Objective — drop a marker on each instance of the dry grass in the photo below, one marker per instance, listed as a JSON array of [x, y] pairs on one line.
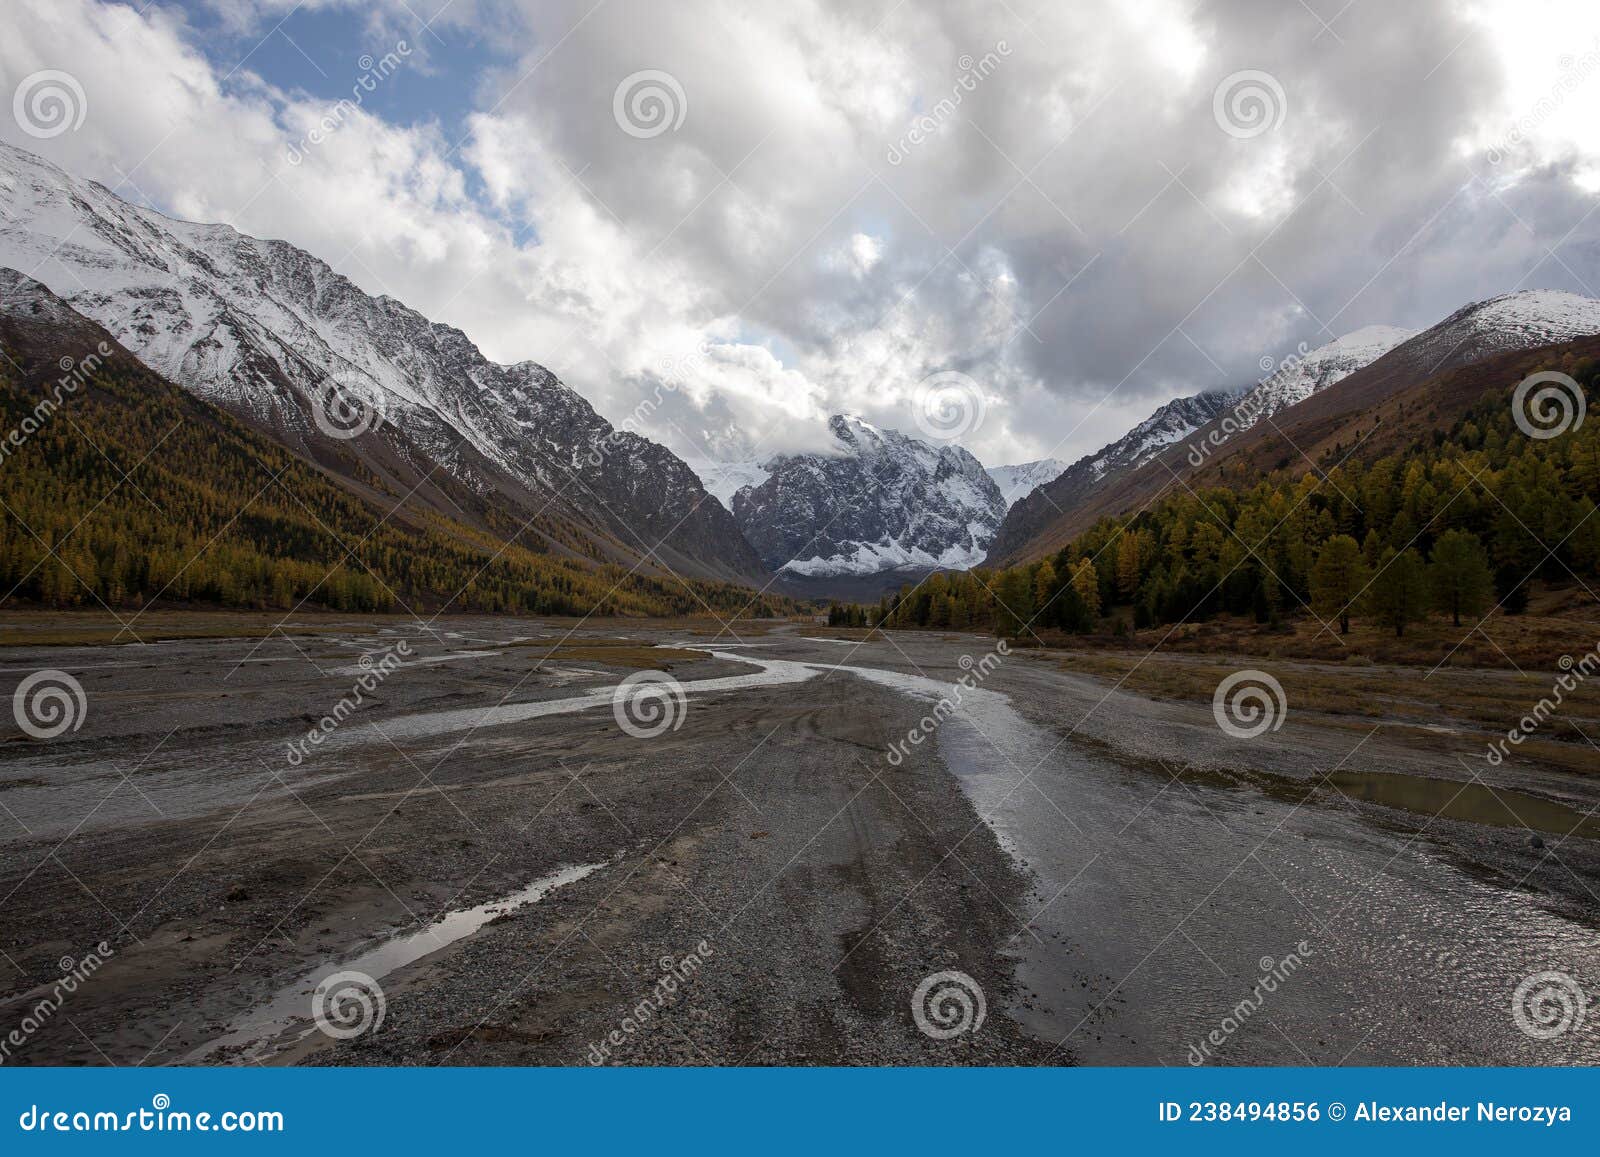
[[98, 629], [614, 653], [1559, 623], [1453, 708]]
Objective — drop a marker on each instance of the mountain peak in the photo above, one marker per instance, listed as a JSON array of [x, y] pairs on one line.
[[882, 501]]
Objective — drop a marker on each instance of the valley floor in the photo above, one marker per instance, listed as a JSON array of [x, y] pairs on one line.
[[1111, 870]]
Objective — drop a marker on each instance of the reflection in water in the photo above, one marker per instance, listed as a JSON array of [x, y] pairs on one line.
[[1476, 803]]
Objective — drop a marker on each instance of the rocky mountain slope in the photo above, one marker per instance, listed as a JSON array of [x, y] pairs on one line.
[[1103, 469], [1298, 376], [882, 503], [1345, 406], [123, 489], [275, 336]]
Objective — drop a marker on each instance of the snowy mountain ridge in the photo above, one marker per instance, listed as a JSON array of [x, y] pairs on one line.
[[275, 335], [882, 501], [1020, 480]]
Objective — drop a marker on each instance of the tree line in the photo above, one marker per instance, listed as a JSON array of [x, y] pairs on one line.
[[134, 491], [1454, 524]]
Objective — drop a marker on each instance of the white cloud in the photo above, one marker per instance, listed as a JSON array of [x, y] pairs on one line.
[[1077, 225]]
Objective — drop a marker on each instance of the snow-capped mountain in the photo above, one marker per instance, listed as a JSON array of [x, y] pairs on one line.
[[1523, 320], [1297, 377], [881, 502], [1327, 389], [276, 336], [1019, 481]]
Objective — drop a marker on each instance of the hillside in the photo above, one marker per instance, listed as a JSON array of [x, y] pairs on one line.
[[1448, 507], [275, 336], [1240, 441], [122, 489]]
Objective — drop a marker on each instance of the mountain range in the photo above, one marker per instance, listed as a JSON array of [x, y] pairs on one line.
[[401, 411], [1019, 481], [273, 335], [1324, 400]]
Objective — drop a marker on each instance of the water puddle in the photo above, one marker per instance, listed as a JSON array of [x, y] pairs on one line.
[[1476, 803], [286, 1019]]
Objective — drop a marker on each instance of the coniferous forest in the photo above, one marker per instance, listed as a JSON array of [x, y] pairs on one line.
[[133, 492], [1448, 526]]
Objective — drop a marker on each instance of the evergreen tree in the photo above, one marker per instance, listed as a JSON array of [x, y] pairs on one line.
[[1459, 574], [1399, 591], [1337, 579], [1127, 566], [1087, 585]]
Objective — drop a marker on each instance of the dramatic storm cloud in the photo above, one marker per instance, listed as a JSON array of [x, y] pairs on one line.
[[795, 209]]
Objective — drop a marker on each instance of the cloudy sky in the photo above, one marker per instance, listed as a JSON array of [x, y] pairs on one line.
[[787, 210]]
